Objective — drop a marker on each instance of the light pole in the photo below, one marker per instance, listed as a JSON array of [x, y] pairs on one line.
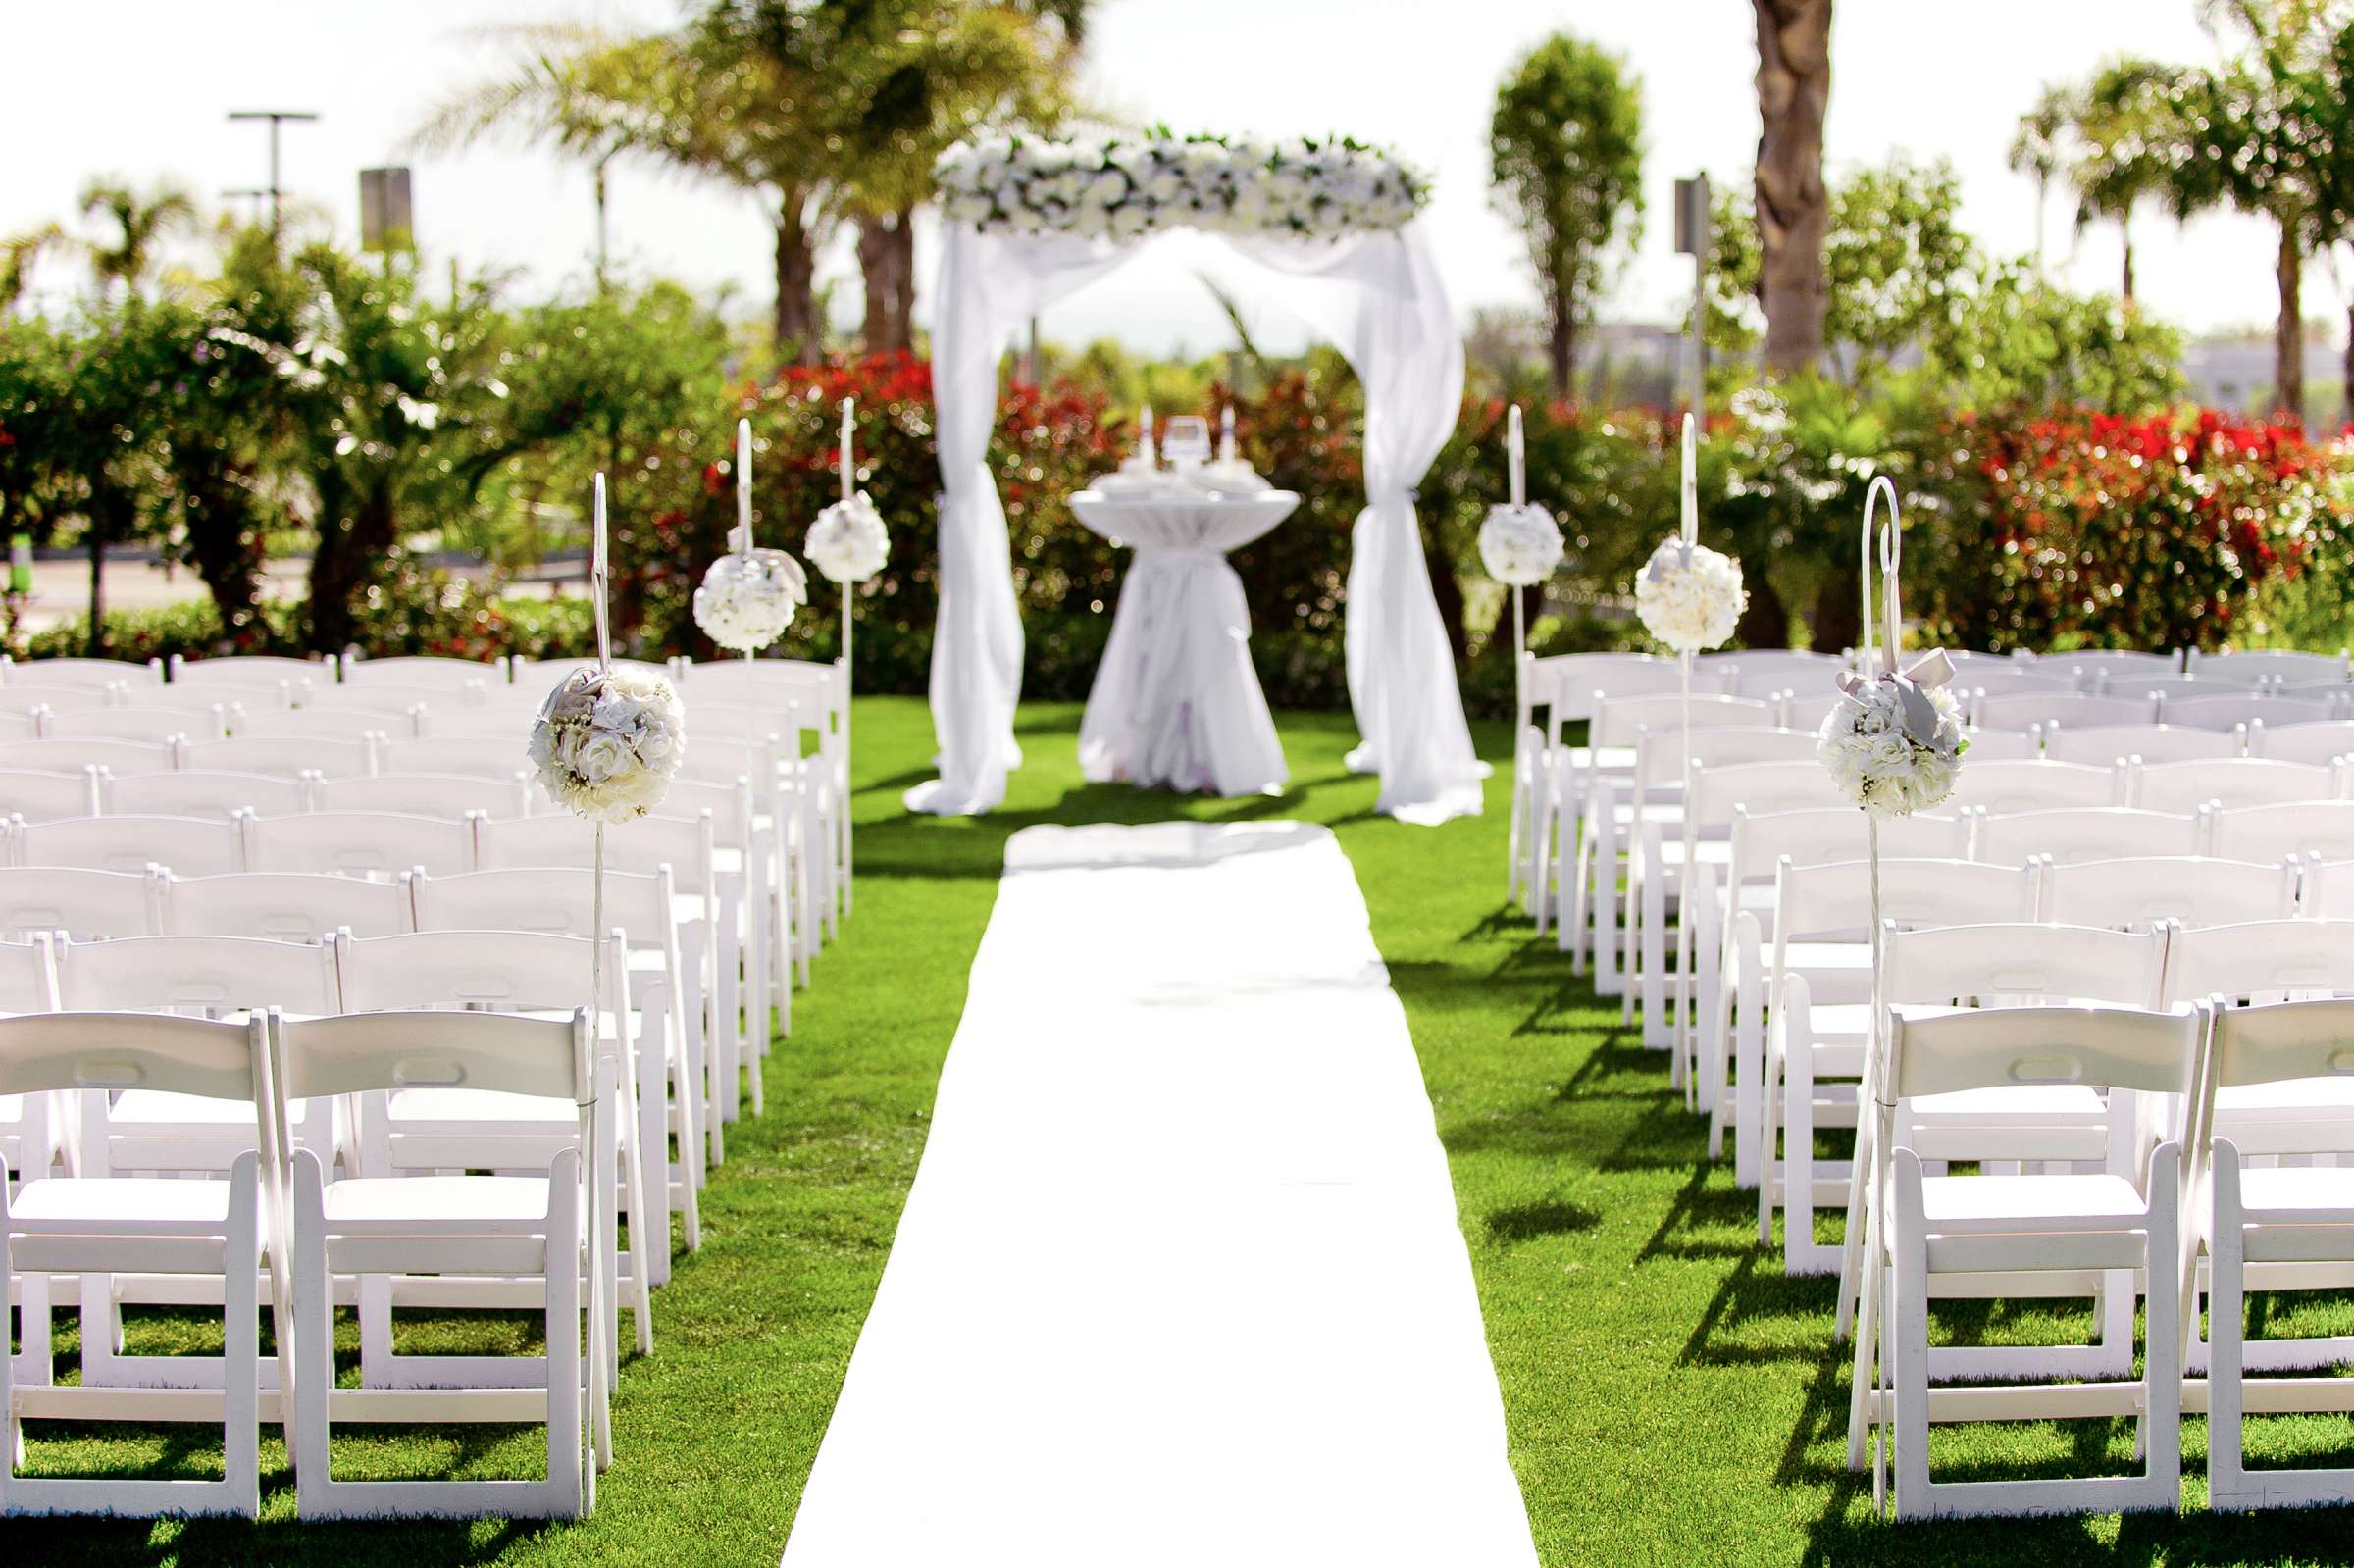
[[277, 117]]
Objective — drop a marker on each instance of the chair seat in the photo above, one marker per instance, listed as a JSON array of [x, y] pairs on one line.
[[413, 1105], [399, 1205], [1814, 956], [2313, 1194], [2295, 1099], [2009, 1104], [141, 1206], [152, 1106], [1997, 1204]]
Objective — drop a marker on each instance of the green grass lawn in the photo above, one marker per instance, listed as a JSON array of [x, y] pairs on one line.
[[1671, 1397]]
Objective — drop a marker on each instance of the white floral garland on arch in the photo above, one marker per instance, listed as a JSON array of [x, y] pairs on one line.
[[1129, 186]]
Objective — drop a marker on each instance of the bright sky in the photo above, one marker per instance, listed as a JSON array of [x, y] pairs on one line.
[[144, 88]]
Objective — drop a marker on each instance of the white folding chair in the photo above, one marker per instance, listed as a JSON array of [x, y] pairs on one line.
[[36, 797], [155, 724], [2039, 1235], [25, 698], [2118, 669], [2004, 745], [327, 723], [2256, 666], [80, 1225], [2179, 787], [196, 847], [380, 845], [199, 793], [1562, 686], [76, 900], [543, 1227], [2089, 833], [472, 756], [75, 755], [421, 670], [263, 671], [284, 906], [33, 1140], [666, 967], [2193, 889], [2288, 1226], [2024, 710], [2004, 788], [138, 676], [2234, 712], [2011, 680]]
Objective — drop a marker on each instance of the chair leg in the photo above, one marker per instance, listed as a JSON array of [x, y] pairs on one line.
[[314, 1341], [240, 1342], [565, 1437]]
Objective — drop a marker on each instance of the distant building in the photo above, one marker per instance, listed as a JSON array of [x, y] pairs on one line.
[[2236, 373]]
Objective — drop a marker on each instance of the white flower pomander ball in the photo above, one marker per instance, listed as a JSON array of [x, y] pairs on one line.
[[1690, 597], [848, 542], [1519, 545], [607, 744], [745, 600], [1892, 745]]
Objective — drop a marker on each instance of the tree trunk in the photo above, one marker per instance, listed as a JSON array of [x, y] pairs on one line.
[[887, 263], [1793, 212], [354, 539], [1765, 621], [2125, 233], [2349, 366], [2288, 337], [1561, 350], [97, 544], [800, 335]]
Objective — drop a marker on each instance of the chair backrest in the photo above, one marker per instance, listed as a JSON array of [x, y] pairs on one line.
[[2323, 828], [2230, 712], [482, 756], [288, 757], [25, 696], [1760, 788], [729, 803], [354, 725], [74, 755], [262, 670], [685, 844], [39, 796], [513, 1053], [380, 845], [556, 900], [2182, 786], [197, 974], [2022, 710], [85, 903], [2261, 960], [427, 794], [2001, 788], [2080, 834], [1833, 900], [2019, 963], [118, 1051], [151, 724], [201, 792], [2284, 1041], [2103, 745], [89, 672], [1618, 721], [1943, 1052], [2004, 745], [1762, 840], [485, 721], [2024, 679], [503, 970], [2118, 664], [194, 847], [27, 977], [422, 671], [1569, 684], [2324, 741], [2264, 664], [392, 704], [2192, 889], [286, 906]]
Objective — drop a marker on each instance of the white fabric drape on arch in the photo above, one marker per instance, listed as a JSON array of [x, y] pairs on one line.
[[1378, 297]]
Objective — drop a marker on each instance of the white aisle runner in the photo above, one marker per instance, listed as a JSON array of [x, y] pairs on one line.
[[1179, 1281]]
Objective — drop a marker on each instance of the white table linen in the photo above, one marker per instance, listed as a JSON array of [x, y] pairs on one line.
[[1180, 1281], [1175, 702]]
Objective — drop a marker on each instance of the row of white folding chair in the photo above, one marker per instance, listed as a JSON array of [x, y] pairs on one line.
[[667, 937], [2254, 665], [2273, 1229], [2226, 711], [803, 688], [101, 673], [204, 792], [544, 1228]]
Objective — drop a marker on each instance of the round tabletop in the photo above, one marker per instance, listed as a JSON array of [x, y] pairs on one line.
[[1208, 520]]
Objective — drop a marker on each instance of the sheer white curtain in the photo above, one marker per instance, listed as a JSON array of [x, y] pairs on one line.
[[1378, 298]]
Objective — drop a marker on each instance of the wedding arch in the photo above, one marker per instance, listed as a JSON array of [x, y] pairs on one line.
[[1032, 221]]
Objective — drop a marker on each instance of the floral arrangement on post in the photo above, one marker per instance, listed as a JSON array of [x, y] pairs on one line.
[[848, 542], [607, 741], [1519, 544], [1688, 595], [1129, 186], [747, 597]]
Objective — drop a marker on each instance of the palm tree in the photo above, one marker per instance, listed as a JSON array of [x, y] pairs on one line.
[[1794, 209], [2129, 138], [141, 219], [2035, 152], [589, 96], [17, 257]]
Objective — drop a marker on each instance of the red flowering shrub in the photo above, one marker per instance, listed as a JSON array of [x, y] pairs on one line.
[[2087, 530]]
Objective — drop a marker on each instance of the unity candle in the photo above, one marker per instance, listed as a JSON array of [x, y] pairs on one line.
[[1515, 458], [850, 474], [743, 486]]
